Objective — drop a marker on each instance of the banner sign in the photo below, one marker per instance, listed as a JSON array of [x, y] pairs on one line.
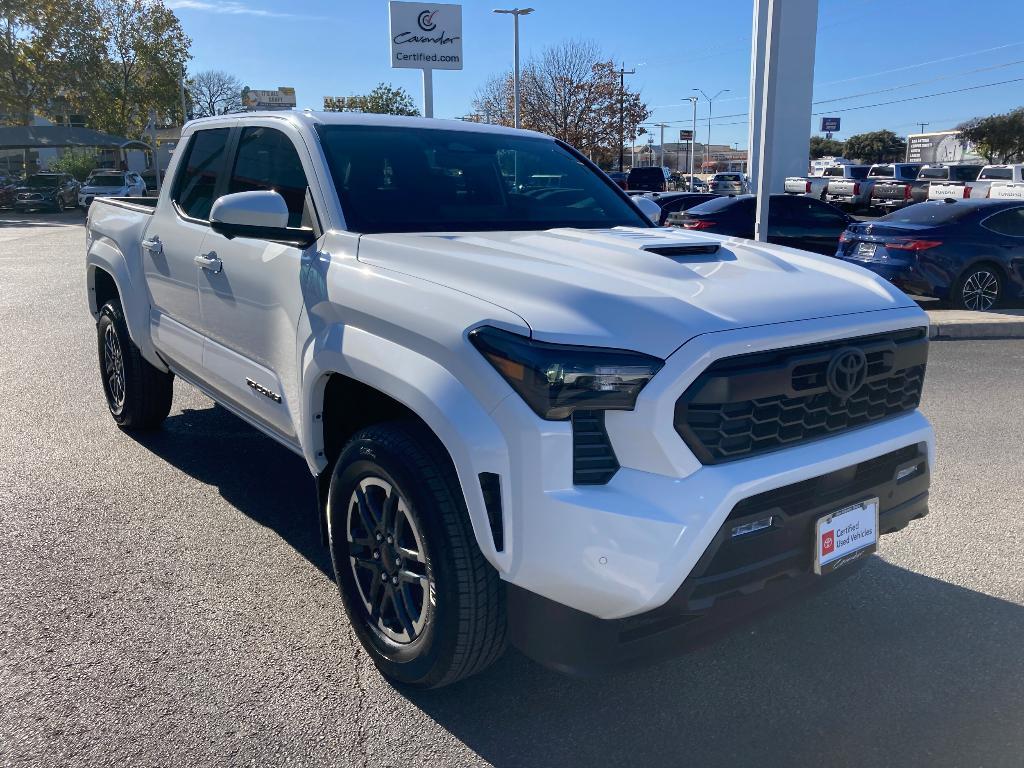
[[282, 98], [425, 36]]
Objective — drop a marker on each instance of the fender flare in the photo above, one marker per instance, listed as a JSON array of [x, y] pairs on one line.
[[104, 255], [466, 430]]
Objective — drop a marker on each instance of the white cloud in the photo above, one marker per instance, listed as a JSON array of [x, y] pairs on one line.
[[229, 7]]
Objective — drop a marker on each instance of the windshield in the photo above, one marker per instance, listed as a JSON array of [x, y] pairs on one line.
[[392, 179], [996, 173], [106, 181], [934, 212], [42, 181]]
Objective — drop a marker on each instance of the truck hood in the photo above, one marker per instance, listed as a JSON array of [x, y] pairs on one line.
[[609, 288]]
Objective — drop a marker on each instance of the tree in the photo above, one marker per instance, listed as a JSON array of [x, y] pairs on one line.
[[213, 92], [822, 147], [571, 92], [876, 147], [51, 54], [997, 138], [384, 99], [146, 54], [78, 162]]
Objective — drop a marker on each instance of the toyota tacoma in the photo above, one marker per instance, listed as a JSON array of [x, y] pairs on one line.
[[532, 417]]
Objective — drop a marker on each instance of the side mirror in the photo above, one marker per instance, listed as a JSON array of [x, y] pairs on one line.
[[259, 214], [648, 208]]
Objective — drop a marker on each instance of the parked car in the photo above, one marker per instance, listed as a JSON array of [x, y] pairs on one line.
[[1013, 190], [990, 177], [674, 202], [893, 185], [797, 222], [619, 178], [891, 195], [111, 184], [855, 195], [648, 179], [729, 184], [443, 350], [816, 186], [688, 183], [966, 252], [55, 191], [8, 187]]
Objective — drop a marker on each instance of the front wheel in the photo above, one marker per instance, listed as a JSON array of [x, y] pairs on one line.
[[980, 289], [423, 601], [138, 394]]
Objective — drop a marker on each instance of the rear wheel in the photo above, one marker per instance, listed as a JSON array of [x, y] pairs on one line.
[[980, 289], [138, 394], [423, 601]]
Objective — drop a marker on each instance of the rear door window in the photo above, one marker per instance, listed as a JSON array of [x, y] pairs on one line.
[[1009, 222], [196, 183]]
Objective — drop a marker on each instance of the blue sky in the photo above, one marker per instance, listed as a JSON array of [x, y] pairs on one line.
[[866, 49]]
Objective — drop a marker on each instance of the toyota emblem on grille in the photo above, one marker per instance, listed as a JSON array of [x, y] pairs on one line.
[[846, 372]]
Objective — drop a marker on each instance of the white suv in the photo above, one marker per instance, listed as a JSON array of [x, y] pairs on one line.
[[531, 415]]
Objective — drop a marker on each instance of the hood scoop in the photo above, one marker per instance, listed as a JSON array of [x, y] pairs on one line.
[[689, 252]]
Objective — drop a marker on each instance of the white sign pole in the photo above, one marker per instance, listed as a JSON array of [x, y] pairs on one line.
[[428, 93]]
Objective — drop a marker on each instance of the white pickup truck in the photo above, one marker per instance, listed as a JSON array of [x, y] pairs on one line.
[[531, 416], [852, 194], [815, 186], [990, 177]]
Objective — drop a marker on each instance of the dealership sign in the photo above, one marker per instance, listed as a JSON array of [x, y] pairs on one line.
[[686, 135], [829, 124], [426, 36]]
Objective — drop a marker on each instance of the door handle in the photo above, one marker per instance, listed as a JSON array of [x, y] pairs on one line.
[[210, 262], [153, 245]]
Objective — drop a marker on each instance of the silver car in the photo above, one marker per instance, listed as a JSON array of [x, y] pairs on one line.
[[111, 184], [730, 183]]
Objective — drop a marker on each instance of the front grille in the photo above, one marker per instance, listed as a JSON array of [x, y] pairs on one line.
[[751, 404], [593, 459]]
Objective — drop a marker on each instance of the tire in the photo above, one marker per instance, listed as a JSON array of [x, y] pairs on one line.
[[59, 204], [138, 394], [979, 288], [446, 619]]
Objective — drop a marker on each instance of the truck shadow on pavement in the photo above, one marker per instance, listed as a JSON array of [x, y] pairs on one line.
[[261, 479], [888, 668]]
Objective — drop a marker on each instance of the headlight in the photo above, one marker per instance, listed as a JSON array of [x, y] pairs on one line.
[[556, 379]]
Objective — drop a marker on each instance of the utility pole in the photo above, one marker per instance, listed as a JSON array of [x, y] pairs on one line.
[[184, 112], [693, 136], [622, 109], [923, 125], [515, 13]]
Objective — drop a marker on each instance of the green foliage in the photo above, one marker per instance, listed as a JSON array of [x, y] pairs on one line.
[[112, 60], [876, 147], [382, 100], [822, 147], [78, 162], [997, 138]]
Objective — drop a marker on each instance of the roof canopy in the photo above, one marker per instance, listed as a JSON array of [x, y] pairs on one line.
[[41, 136]]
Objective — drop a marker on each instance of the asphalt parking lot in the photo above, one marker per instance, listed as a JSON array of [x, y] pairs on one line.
[[166, 600]]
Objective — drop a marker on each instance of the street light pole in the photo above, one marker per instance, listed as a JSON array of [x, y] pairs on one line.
[[515, 13], [622, 109], [710, 99]]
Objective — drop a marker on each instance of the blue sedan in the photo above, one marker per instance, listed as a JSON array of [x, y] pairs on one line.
[[969, 253]]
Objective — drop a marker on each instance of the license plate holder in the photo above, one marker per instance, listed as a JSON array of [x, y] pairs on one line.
[[844, 536], [866, 250]]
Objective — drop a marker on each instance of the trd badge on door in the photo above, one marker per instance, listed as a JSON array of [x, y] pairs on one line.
[[263, 390]]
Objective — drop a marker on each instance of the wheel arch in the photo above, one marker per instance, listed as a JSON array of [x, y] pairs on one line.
[[352, 378]]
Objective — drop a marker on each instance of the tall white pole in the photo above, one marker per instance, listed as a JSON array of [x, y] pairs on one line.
[[428, 93], [515, 70]]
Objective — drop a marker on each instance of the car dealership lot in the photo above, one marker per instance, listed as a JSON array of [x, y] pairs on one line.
[[167, 600]]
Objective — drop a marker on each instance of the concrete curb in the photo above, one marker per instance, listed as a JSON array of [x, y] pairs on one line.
[[955, 325]]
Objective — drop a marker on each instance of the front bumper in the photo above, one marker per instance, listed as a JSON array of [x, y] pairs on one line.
[[736, 579], [35, 205]]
